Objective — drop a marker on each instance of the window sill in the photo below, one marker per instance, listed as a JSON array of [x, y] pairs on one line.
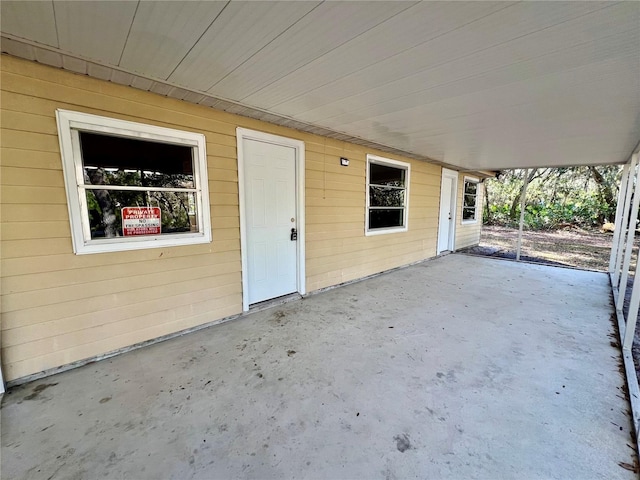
[[384, 231], [120, 245]]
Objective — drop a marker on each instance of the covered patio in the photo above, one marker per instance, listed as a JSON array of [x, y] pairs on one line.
[[459, 367]]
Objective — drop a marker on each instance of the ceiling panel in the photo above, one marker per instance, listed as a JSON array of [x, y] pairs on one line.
[[566, 89], [464, 53], [554, 154], [32, 20], [600, 49], [96, 30], [241, 30], [163, 33], [540, 110], [322, 30], [404, 31]]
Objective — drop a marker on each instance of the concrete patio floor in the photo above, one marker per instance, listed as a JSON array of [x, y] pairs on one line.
[[461, 367]]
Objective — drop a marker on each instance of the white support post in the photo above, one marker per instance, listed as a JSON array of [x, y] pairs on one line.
[[632, 315], [624, 223], [523, 203], [630, 236], [613, 260]]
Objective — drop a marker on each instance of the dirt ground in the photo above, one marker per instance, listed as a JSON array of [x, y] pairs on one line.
[[570, 247]]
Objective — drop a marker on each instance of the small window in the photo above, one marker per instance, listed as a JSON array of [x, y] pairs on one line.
[[132, 186], [387, 195], [470, 200]]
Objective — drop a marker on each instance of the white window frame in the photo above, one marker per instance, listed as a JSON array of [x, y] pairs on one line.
[[405, 221], [69, 124], [475, 214]]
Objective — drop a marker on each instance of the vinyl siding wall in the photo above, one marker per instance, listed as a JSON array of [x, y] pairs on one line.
[[468, 234], [59, 308]]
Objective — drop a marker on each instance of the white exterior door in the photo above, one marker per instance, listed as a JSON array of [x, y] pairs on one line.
[[270, 209], [446, 226]]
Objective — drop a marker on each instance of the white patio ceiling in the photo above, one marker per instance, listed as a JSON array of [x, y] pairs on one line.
[[476, 85]]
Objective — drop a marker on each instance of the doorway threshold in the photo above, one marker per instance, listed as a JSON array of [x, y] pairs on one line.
[[272, 302]]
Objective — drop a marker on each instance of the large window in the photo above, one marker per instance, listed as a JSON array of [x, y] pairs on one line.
[[132, 186], [470, 200], [387, 195]]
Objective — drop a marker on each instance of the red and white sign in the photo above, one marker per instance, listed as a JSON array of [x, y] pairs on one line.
[[141, 221]]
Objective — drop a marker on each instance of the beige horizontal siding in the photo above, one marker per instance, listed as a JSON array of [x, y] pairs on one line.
[[35, 314], [135, 270], [337, 248], [59, 308], [70, 327], [105, 341], [15, 157]]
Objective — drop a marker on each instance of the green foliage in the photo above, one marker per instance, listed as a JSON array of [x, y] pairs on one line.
[[177, 214], [580, 196]]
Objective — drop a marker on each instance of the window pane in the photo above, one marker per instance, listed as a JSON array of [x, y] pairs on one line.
[[386, 218], [177, 211], [468, 213], [386, 197], [384, 175], [470, 200], [109, 160], [470, 187]]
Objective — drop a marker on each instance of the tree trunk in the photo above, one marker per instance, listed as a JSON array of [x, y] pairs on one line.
[[105, 202], [513, 212], [606, 194], [486, 202]]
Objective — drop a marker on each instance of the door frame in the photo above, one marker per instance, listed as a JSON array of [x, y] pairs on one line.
[[453, 175], [243, 134]]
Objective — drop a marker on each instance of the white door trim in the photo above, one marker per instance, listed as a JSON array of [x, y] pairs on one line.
[[452, 174], [298, 145]]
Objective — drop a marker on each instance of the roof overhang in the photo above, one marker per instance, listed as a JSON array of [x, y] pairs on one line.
[[471, 85]]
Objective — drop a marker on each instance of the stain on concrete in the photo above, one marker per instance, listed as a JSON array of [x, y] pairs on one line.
[[402, 442], [388, 474], [450, 376], [38, 390], [291, 353], [105, 399], [278, 318]]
